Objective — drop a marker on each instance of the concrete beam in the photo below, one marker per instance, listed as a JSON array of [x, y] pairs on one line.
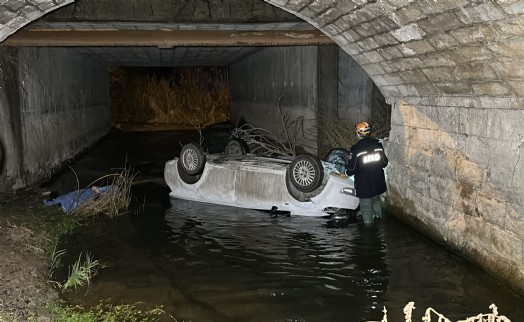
[[166, 38]]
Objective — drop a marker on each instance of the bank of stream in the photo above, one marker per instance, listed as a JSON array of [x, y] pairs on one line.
[[203, 262]]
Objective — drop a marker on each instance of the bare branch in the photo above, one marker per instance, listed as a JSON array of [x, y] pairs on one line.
[[285, 118], [261, 141], [198, 127]]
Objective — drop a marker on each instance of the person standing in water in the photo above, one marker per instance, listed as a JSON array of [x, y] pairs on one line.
[[366, 162]]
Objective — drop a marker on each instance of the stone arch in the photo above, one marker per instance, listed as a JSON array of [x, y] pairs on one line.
[[16, 14], [422, 48], [409, 48]]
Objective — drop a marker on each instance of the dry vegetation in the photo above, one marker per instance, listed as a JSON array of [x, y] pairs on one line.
[[263, 142], [188, 97], [113, 202], [339, 133]]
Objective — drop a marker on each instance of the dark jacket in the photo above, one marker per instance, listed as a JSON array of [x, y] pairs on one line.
[[366, 162]]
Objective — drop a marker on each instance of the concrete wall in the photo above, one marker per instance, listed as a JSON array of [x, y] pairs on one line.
[[359, 99], [323, 84], [58, 106], [328, 69], [347, 95], [355, 91], [257, 82], [10, 125]]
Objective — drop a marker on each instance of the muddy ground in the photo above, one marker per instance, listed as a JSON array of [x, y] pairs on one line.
[[24, 287]]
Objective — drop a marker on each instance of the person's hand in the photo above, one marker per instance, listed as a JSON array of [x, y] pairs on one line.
[[342, 175]]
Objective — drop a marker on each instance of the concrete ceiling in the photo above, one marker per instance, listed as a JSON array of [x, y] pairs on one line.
[[155, 44], [178, 56]]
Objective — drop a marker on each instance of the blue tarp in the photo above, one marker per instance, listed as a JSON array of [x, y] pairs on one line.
[[72, 200]]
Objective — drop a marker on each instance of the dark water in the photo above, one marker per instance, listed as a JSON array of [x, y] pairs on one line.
[[214, 263]]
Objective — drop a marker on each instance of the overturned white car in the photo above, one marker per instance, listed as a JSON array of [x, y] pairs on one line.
[[302, 185]]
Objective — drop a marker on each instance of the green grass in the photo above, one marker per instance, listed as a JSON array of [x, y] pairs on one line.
[[56, 259], [9, 317], [82, 272], [108, 312]]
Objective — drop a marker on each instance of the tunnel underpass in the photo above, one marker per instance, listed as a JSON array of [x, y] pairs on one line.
[[451, 71], [317, 81]]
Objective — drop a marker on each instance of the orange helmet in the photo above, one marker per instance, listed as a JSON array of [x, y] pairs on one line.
[[363, 129]]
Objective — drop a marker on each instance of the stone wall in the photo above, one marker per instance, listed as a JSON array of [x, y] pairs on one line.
[[16, 14], [187, 11], [457, 173], [58, 106], [453, 72]]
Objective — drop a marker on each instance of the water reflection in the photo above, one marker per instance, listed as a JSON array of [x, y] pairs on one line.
[[252, 267], [214, 263]]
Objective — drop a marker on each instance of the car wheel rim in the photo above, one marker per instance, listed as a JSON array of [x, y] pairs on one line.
[[190, 159], [304, 173]]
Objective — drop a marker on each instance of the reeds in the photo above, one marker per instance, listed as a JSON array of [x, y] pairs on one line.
[[191, 96], [82, 272], [112, 202], [56, 259]]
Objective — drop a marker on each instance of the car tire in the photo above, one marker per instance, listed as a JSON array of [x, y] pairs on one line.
[[186, 178], [305, 173], [192, 159], [293, 192], [236, 146], [337, 156]]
